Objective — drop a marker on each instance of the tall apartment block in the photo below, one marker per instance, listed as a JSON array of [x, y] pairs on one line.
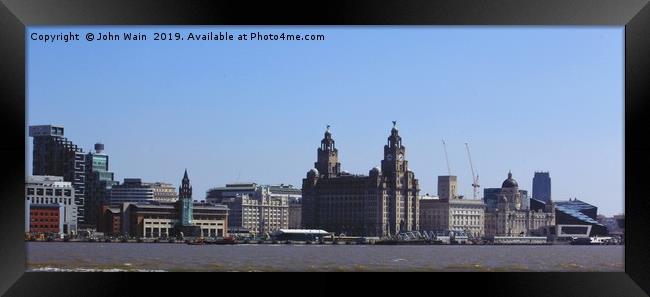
[[55, 155], [99, 182], [542, 186]]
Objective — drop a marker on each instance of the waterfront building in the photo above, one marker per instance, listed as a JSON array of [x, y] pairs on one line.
[[542, 186], [295, 213], [259, 208], [383, 203], [449, 211], [110, 220], [99, 181], [574, 216], [164, 219], [52, 190], [134, 190], [511, 218], [55, 155], [615, 224], [45, 218], [456, 214]]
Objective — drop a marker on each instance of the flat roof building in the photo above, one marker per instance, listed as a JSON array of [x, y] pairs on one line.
[[55, 155], [99, 181], [259, 208], [134, 190], [52, 190], [45, 218]]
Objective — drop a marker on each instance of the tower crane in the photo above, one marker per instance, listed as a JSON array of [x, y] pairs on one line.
[[475, 184], [444, 145]]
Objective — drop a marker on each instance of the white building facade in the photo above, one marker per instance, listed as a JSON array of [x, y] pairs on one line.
[[454, 214], [46, 189], [261, 209]]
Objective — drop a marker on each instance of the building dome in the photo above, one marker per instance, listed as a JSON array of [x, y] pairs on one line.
[[313, 172], [510, 182], [375, 170]]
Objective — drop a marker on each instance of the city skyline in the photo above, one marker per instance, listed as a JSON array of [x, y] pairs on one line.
[[151, 134]]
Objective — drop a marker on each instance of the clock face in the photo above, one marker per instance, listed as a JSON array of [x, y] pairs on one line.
[[389, 157], [400, 157]]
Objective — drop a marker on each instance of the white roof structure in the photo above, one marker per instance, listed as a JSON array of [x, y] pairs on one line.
[[302, 231]]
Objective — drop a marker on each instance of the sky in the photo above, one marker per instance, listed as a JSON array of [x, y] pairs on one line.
[[526, 99]]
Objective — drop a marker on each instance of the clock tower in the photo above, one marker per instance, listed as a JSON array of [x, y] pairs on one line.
[[185, 199], [394, 162], [401, 187], [327, 163]]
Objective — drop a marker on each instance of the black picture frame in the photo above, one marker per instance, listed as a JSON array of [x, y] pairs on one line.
[[16, 15]]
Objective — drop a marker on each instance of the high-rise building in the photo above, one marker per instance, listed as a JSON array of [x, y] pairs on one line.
[[382, 203], [542, 186], [55, 155], [447, 187], [99, 181], [134, 190]]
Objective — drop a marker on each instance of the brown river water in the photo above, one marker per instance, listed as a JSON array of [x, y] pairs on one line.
[[108, 257]]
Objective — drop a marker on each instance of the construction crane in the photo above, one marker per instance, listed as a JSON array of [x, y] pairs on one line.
[[475, 184], [444, 145]]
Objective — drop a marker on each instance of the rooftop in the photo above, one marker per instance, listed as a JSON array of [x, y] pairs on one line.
[[302, 231], [573, 208]]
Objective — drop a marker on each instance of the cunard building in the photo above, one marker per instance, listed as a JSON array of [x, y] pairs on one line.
[[382, 203]]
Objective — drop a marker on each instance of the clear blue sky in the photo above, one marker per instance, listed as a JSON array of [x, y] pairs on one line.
[[525, 98]]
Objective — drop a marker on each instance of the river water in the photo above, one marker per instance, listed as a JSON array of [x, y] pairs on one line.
[[77, 256]]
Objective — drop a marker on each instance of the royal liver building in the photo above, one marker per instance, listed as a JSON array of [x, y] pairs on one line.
[[382, 203]]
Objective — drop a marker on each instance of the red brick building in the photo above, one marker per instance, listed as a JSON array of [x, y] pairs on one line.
[[110, 220], [45, 218]]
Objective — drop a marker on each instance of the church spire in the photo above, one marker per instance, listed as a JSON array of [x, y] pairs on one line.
[[185, 200], [185, 190]]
